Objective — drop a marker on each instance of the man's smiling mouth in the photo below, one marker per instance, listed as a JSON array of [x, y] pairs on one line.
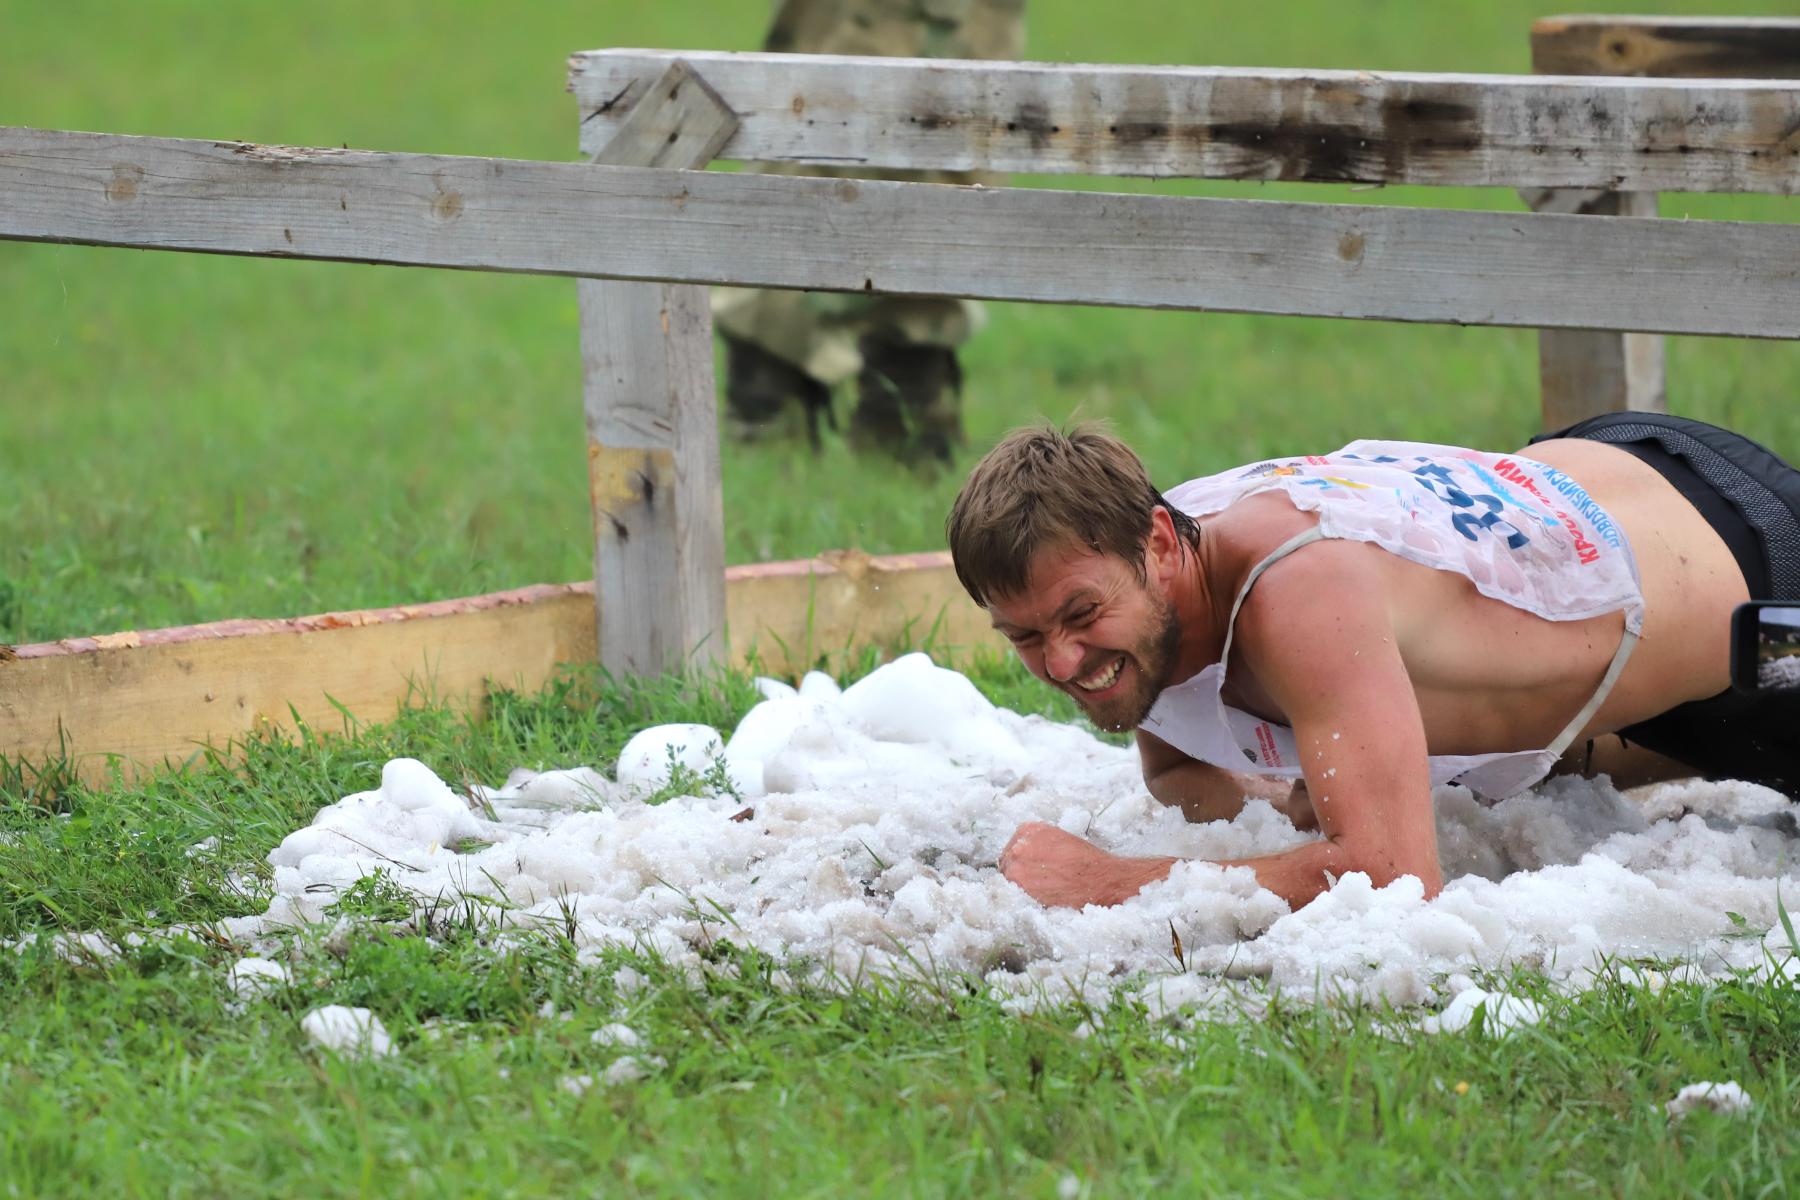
[[1104, 678]]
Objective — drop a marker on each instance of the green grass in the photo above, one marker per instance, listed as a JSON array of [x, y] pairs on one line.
[[186, 438], [137, 1075], [190, 438]]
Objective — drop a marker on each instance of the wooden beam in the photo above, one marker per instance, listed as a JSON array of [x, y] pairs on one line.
[[652, 421], [1586, 373], [1401, 264], [1230, 123], [1663, 47], [155, 697]]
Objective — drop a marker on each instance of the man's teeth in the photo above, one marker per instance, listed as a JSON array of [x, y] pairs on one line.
[[1101, 680]]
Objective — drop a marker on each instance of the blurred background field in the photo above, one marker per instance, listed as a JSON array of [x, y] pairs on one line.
[[185, 438]]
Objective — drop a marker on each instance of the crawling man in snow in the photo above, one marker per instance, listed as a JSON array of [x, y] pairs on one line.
[[1339, 633]]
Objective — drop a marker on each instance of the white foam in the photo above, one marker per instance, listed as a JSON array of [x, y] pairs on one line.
[[880, 811]]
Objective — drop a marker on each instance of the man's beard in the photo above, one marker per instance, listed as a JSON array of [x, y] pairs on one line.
[[1152, 663]]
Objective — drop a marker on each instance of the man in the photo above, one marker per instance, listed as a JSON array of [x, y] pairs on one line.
[[1338, 633], [785, 351]]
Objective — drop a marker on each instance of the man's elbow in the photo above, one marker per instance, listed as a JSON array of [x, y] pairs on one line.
[[1383, 866]]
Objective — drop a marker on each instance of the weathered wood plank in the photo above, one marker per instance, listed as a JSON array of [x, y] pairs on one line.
[[1477, 268], [652, 422], [1684, 47], [156, 696], [679, 123], [1230, 123]]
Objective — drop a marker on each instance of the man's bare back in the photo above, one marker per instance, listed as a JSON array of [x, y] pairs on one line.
[[1489, 676]]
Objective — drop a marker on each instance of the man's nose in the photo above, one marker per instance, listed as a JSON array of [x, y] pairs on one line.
[[1062, 658]]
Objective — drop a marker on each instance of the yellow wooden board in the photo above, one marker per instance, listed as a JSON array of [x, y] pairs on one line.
[[148, 698]]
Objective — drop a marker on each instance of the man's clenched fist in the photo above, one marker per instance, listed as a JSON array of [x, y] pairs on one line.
[[1058, 869]]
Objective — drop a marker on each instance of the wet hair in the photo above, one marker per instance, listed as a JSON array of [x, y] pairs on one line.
[[1042, 487]]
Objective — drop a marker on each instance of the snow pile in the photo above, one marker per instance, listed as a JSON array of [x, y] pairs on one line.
[[1726, 1098], [877, 814], [346, 1030]]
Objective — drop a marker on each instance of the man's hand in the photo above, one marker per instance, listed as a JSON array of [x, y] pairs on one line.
[[1058, 869]]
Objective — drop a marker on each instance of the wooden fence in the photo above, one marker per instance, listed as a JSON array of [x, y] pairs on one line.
[[644, 230]]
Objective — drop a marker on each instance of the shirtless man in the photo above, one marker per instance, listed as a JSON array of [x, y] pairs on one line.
[[1339, 633]]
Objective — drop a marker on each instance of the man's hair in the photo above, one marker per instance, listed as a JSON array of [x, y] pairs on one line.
[[1042, 487]]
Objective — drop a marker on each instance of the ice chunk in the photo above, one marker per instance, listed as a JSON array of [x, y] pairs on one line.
[[347, 1030], [765, 729], [774, 689], [249, 978], [1501, 1013], [410, 785], [644, 764], [913, 700], [1727, 1098], [581, 787], [630, 1069]]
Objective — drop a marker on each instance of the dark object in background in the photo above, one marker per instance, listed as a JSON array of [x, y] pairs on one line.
[[1765, 647], [769, 395], [909, 401]]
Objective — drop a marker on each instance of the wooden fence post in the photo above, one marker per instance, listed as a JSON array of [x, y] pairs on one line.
[[1585, 372], [1582, 372], [652, 421]]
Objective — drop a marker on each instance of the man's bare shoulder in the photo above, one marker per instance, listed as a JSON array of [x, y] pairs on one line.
[[1317, 595], [1250, 529]]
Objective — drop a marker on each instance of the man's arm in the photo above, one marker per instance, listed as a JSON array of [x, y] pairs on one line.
[[1204, 792], [1318, 635]]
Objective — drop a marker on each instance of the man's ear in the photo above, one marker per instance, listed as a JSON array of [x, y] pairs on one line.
[[1162, 549]]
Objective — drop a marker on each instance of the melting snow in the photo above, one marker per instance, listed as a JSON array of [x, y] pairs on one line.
[[878, 812]]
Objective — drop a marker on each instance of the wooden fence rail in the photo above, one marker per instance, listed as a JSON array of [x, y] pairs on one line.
[[1322, 260], [1225, 123]]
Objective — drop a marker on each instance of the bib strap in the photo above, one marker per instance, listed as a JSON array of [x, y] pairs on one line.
[[1304, 538], [1627, 642], [1614, 669]]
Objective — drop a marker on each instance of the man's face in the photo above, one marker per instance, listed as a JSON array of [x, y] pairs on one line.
[[1085, 624]]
